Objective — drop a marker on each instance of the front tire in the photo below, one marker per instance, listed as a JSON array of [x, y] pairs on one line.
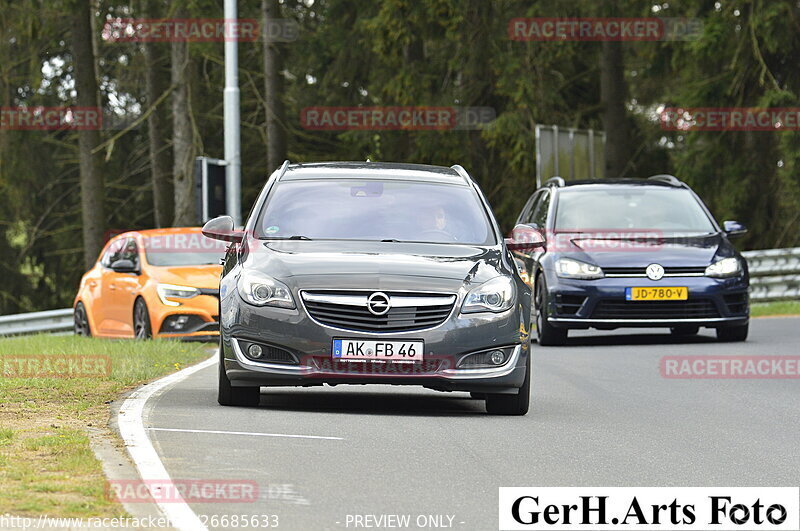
[[517, 404], [547, 335], [227, 395], [141, 320], [733, 333], [81, 321]]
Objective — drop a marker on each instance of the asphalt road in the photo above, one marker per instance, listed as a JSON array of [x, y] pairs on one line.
[[601, 415]]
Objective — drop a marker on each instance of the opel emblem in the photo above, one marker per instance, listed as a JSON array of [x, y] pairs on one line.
[[655, 272], [378, 303]]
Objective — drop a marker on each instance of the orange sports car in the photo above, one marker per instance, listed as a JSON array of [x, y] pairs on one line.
[[152, 283]]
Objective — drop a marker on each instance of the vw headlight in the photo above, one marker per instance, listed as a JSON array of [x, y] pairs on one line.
[[727, 267], [259, 289], [171, 291], [569, 268], [495, 295]]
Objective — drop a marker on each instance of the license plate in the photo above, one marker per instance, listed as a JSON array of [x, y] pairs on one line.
[[361, 349], [671, 293]]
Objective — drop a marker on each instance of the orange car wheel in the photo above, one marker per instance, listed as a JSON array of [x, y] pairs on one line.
[[81, 321], [141, 320]]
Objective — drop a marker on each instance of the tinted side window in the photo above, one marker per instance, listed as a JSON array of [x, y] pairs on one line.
[[526, 211], [528, 217], [113, 252], [130, 251], [539, 214]]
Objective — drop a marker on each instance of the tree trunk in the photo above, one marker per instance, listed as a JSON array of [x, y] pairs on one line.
[[156, 83], [92, 182], [182, 137], [612, 96], [273, 89]]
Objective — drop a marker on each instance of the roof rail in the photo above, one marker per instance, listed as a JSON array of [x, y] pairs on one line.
[[282, 169], [461, 171], [665, 178], [555, 181]]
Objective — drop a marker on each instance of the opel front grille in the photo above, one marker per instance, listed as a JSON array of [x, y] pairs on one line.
[[350, 310]]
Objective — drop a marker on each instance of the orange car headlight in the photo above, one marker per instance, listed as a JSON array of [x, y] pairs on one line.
[[171, 291]]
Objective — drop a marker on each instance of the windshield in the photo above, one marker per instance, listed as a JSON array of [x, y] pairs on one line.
[[618, 208], [183, 250], [375, 210]]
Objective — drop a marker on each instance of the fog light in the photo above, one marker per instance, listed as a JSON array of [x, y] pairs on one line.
[[255, 351], [179, 322], [498, 357]]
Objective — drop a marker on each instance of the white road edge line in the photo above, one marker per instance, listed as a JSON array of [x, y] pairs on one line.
[[131, 427], [255, 434]]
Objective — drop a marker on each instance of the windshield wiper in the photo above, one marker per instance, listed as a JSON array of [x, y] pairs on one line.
[[390, 240], [295, 237]]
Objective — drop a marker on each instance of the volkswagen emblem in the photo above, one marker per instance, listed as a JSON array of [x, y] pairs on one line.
[[655, 272], [378, 303]]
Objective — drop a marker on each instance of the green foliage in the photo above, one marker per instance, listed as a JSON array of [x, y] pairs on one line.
[[401, 52]]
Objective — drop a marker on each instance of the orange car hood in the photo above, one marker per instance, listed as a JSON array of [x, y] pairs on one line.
[[203, 276]]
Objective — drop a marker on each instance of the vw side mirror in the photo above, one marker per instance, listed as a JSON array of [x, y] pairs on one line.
[[733, 228], [525, 238]]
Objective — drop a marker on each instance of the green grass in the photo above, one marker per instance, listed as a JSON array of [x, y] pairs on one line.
[[46, 464], [763, 309]]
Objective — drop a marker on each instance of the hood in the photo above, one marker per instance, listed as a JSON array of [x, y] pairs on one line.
[[636, 251], [375, 265], [200, 276]]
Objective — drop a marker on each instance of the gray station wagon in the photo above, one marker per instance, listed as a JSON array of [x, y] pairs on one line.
[[361, 273]]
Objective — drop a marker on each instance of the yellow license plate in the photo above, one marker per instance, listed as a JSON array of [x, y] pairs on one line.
[[667, 293]]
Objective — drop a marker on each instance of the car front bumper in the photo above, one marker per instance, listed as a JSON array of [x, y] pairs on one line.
[[602, 304], [195, 319], [311, 345]]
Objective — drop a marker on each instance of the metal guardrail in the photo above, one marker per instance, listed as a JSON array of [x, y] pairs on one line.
[[774, 274], [35, 322]]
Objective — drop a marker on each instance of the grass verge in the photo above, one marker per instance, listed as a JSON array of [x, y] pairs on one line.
[[764, 309], [46, 464]]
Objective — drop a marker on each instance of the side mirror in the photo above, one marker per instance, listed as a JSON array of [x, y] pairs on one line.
[[525, 238], [733, 228], [124, 266], [221, 228]]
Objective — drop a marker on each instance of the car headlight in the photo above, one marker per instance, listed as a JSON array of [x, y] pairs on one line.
[[171, 291], [259, 289], [569, 268], [727, 267], [495, 295]]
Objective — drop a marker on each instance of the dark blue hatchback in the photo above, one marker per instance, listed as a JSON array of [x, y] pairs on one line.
[[632, 253]]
